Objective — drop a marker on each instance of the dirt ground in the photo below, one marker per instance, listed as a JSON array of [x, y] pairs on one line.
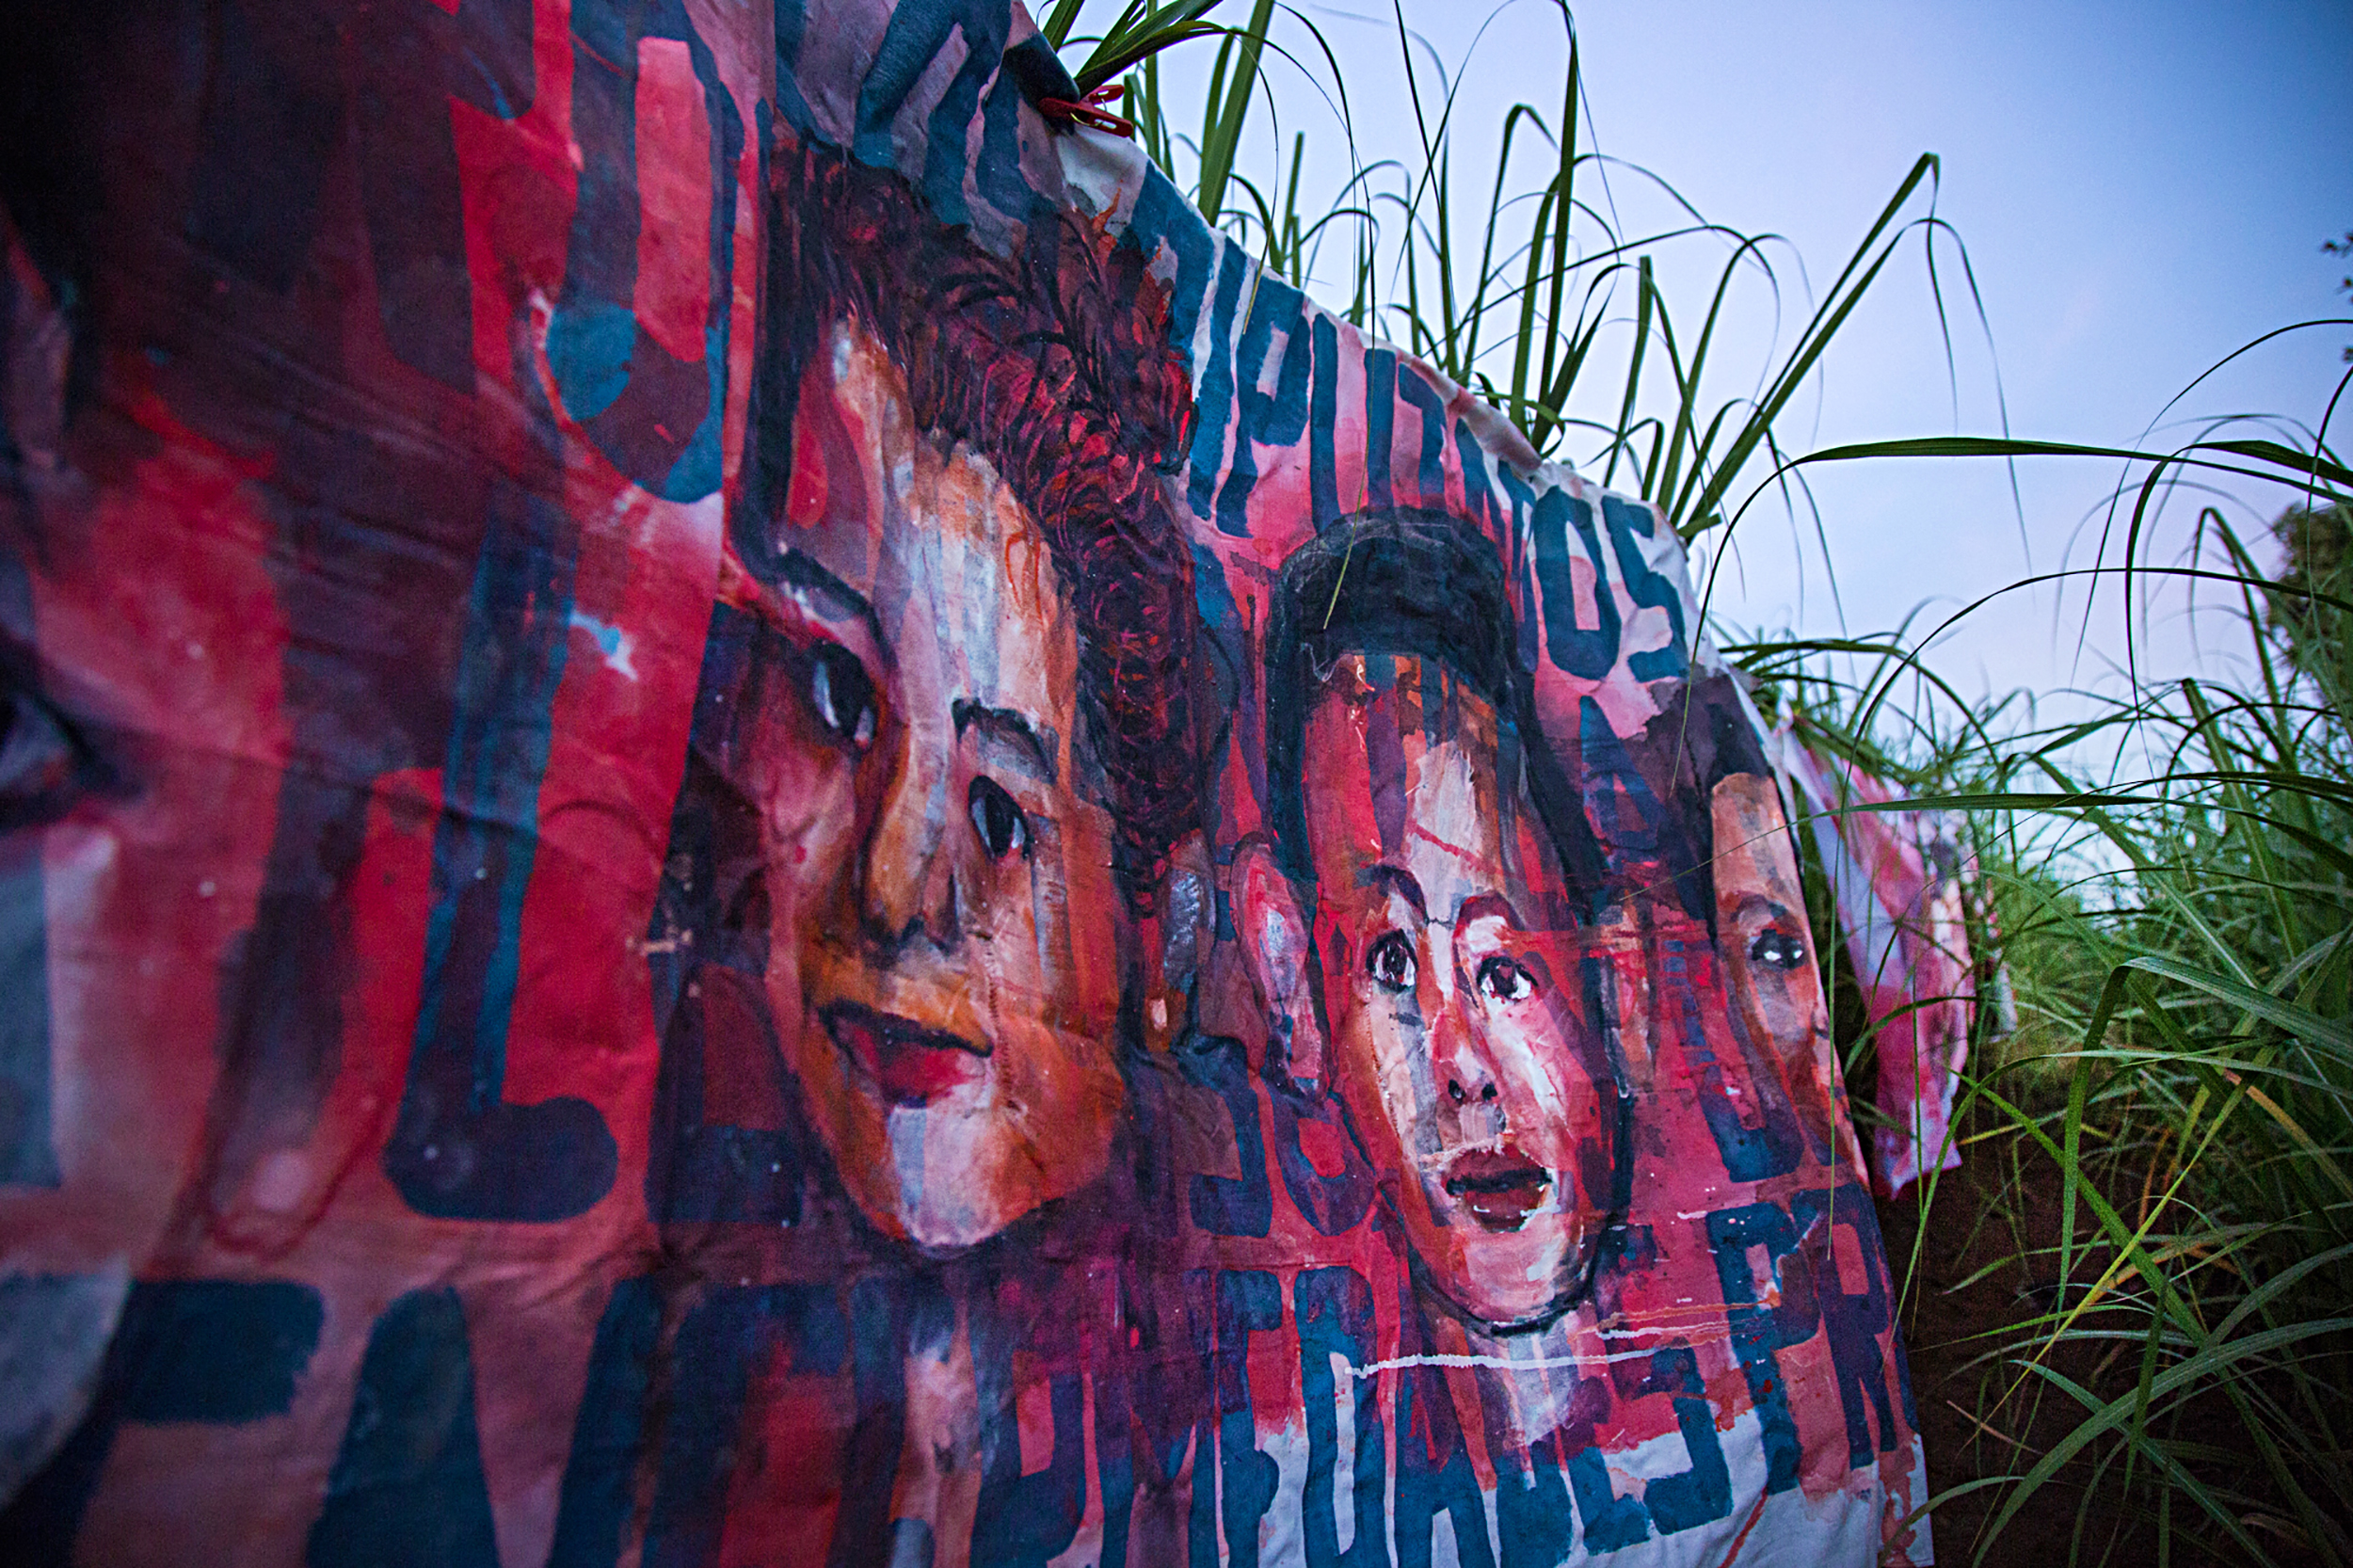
[[1986, 1267], [1969, 1281]]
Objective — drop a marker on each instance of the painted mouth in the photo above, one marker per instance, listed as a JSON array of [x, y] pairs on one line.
[[912, 1065], [1502, 1188]]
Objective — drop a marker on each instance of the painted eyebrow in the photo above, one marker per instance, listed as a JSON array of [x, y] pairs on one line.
[[1773, 908], [836, 597], [1480, 906], [1010, 725], [1396, 879]]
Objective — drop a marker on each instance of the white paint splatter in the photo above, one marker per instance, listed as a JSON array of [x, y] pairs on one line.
[[1503, 1363], [610, 641]]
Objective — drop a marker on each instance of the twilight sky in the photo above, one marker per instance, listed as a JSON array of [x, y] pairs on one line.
[[2141, 189]]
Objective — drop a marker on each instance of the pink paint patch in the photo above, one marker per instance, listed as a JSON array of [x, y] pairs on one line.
[[673, 196]]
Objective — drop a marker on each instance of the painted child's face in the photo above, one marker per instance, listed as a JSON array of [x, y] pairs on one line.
[[1767, 946], [1458, 1037], [942, 912]]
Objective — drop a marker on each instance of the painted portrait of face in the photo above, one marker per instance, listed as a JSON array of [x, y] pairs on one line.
[[941, 779], [1739, 869], [1767, 944], [1439, 961]]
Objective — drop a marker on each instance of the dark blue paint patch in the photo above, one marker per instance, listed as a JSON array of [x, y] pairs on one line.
[[221, 1353], [408, 1488], [1521, 500], [1116, 1447], [1162, 216], [1215, 398], [792, 30], [1611, 1523], [458, 1149], [1532, 1513], [1379, 425], [1278, 417], [1853, 1321], [1757, 1330], [997, 170], [1702, 1493], [1479, 500], [1323, 490], [1026, 1520], [608, 1432], [1434, 1474], [1413, 386], [1210, 594], [887, 1319], [1618, 800], [1587, 653], [1645, 587], [918, 30], [1199, 1302], [29, 1154], [1249, 1301], [590, 347], [655, 416], [1229, 1206], [1335, 1312]]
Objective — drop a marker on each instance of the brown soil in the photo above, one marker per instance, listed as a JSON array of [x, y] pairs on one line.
[[1988, 1267]]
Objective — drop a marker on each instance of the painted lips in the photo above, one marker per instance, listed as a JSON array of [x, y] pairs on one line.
[[1500, 1186], [912, 1065]]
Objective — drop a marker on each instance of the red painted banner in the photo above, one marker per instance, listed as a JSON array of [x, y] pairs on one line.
[[749, 816]]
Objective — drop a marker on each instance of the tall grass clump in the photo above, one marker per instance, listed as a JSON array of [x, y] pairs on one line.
[[1519, 281], [2163, 1153], [2175, 894]]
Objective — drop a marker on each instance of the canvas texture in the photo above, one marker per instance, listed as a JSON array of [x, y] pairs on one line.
[[748, 816]]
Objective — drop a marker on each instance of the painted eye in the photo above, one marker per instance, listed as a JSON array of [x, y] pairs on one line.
[[1777, 950], [1504, 981], [842, 694], [41, 762], [1391, 962], [997, 821]]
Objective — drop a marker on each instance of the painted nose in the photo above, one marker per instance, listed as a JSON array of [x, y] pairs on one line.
[[908, 878], [1465, 1070], [1462, 1092]]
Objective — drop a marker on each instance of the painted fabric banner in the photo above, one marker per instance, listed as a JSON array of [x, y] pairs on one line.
[[752, 818], [1899, 879]]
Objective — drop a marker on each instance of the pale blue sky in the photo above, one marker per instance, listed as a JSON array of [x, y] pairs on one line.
[[2141, 188]]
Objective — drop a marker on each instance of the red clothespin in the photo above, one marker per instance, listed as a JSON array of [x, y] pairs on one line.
[[1090, 110]]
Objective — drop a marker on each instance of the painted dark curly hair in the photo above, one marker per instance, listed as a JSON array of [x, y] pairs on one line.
[[1051, 362]]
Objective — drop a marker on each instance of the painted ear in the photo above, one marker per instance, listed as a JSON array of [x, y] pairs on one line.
[[1188, 912], [1274, 946]]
